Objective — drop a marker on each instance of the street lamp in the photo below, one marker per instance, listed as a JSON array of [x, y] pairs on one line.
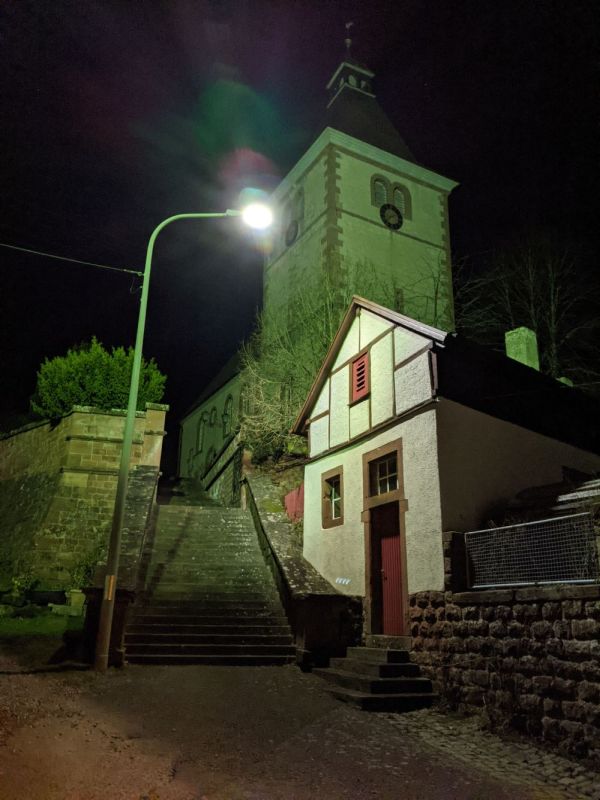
[[256, 215]]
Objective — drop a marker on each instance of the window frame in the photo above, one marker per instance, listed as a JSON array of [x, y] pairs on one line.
[[385, 450], [327, 518]]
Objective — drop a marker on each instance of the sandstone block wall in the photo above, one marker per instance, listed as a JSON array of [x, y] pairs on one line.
[[57, 489], [529, 658]]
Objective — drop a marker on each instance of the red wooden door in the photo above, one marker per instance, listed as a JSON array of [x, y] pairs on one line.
[[391, 585], [387, 534]]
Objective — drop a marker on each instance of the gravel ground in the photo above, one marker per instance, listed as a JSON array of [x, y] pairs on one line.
[[227, 733]]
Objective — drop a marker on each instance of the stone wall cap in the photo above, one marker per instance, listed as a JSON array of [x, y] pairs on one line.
[[157, 407], [559, 592], [482, 597]]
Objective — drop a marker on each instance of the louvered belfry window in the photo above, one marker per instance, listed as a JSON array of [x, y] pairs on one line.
[[360, 377]]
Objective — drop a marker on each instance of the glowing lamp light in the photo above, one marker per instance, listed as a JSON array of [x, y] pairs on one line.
[[257, 215]]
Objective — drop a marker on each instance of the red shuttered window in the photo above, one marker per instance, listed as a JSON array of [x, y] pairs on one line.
[[360, 378]]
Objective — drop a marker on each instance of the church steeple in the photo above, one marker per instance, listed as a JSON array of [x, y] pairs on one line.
[[352, 107]]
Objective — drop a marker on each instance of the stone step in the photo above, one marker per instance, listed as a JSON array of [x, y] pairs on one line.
[[204, 589], [218, 660], [377, 669], [224, 570], [174, 619], [372, 685], [397, 703], [230, 627], [211, 649], [218, 608], [379, 655], [196, 639]]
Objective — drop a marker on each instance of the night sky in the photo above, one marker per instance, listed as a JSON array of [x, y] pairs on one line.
[[116, 115]]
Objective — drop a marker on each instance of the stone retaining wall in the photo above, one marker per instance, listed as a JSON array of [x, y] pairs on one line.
[[528, 658], [57, 488]]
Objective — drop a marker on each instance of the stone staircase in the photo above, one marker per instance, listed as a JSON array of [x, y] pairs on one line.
[[206, 594], [377, 679]]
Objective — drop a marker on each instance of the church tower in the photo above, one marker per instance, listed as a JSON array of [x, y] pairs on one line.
[[357, 211]]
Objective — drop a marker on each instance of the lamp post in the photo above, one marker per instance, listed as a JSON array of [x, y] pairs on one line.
[[255, 215]]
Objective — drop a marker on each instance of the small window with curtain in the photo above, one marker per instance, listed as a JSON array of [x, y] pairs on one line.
[[359, 388], [332, 494]]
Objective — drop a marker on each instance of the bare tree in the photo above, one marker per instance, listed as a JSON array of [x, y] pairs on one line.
[[283, 356], [543, 286]]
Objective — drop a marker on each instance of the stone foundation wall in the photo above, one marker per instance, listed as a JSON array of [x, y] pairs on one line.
[[528, 658], [57, 488]]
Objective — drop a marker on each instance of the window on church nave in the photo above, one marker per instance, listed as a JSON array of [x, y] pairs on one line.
[[200, 429], [227, 415]]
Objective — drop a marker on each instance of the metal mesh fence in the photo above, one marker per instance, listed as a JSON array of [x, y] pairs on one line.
[[557, 550]]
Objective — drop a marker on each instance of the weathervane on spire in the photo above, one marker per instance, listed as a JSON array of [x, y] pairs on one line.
[[348, 40]]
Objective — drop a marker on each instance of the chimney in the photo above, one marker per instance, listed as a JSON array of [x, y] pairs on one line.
[[521, 345]]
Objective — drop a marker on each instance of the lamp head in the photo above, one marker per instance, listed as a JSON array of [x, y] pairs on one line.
[[257, 215]]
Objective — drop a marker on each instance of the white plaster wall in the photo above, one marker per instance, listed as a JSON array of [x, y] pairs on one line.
[[382, 380], [406, 343], [340, 423], [350, 345], [355, 195], [371, 326], [290, 268], [485, 461], [322, 403], [319, 435], [339, 552], [359, 418], [413, 383]]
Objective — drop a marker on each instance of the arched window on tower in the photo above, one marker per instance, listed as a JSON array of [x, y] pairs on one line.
[[401, 199], [379, 191]]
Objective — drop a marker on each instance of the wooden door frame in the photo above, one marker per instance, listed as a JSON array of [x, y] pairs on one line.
[[370, 502]]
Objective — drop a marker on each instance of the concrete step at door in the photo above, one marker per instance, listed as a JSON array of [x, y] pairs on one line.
[[378, 679], [376, 669], [372, 685]]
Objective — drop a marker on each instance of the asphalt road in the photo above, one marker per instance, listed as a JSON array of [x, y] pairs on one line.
[[217, 733]]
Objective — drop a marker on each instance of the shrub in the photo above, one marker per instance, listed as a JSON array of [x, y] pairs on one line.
[[90, 375]]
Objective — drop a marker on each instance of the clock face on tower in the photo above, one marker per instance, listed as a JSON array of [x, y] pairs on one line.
[[391, 216]]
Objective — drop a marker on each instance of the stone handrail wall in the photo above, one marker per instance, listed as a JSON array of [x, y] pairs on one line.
[[323, 620], [57, 489]]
